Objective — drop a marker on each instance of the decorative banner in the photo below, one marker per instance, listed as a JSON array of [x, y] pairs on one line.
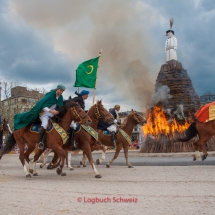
[[91, 131], [61, 132], [125, 135]]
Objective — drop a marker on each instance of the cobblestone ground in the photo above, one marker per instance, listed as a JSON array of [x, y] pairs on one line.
[[139, 190]]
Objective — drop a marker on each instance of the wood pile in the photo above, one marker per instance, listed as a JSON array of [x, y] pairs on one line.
[[181, 92]]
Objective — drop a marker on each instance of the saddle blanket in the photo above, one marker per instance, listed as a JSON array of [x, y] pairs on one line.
[[206, 113]]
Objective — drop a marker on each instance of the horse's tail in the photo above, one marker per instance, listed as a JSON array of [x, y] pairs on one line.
[[8, 145], [190, 133]]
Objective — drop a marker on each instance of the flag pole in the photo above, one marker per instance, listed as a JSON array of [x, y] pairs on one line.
[[94, 93]]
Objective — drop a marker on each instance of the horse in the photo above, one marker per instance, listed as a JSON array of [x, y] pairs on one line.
[[205, 131], [96, 112], [67, 113], [132, 119], [4, 129]]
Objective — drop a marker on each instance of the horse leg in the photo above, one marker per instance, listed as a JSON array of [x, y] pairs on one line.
[[118, 147], [62, 155], [54, 163], [197, 153], [69, 157], [22, 159], [88, 153], [84, 159], [201, 146], [34, 162], [21, 144], [45, 155], [126, 156], [100, 160]]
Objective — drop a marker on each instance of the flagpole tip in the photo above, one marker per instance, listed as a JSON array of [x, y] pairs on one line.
[[100, 52]]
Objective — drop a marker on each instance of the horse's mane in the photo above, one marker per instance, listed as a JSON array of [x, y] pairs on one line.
[[99, 102], [67, 104], [124, 123]]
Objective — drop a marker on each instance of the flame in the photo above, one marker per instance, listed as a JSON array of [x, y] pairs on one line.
[[157, 123]]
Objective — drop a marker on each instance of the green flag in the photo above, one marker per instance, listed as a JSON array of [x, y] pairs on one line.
[[86, 74]]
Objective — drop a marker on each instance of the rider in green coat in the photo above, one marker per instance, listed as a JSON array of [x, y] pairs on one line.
[[45, 107]]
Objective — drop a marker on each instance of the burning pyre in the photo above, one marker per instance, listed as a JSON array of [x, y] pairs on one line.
[[158, 123], [162, 128]]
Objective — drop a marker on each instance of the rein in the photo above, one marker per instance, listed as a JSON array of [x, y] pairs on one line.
[[75, 114]]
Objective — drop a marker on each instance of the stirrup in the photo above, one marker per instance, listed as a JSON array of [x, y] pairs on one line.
[[40, 146]]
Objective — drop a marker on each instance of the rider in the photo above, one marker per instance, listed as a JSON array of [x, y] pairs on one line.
[[83, 95], [111, 127], [45, 108]]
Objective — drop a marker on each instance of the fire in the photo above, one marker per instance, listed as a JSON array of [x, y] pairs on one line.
[[157, 123]]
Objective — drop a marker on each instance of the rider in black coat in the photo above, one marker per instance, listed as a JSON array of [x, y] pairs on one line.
[[80, 99]]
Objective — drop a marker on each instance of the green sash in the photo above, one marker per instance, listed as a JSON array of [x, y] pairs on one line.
[[125, 135], [91, 131]]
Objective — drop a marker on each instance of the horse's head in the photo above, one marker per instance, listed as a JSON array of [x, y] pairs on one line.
[[138, 118], [6, 127], [101, 113], [79, 114]]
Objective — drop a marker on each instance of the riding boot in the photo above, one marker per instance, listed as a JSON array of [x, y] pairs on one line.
[[113, 138], [41, 134]]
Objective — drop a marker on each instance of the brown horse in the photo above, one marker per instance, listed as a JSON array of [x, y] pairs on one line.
[[96, 112], [70, 111], [127, 126], [205, 131]]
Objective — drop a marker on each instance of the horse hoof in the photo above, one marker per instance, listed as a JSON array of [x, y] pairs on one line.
[[41, 166], [31, 171], [85, 165], [58, 171], [98, 176], [98, 162], [63, 174], [81, 163], [204, 157], [49, 167], [35, 174], [130, 167], [28, 176], [71, 168], [107, 165], [194, 158]]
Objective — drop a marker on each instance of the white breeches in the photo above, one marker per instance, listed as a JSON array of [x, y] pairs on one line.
[[112, 128], [73, 125], [44, 119]]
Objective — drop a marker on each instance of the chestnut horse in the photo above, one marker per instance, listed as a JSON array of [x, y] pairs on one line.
[[69, 112], [205, 131], [96, 112], [127, 126]]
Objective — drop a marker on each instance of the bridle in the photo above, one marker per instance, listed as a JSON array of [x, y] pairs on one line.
[[136, 119], [77, 116], [97, 113]]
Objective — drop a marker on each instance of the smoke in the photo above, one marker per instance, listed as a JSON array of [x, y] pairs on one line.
[[161, 95], [81, 28]]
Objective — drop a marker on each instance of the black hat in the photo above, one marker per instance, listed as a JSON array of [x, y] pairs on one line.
[[170, 31]]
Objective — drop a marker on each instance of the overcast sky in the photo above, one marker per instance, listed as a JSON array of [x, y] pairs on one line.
[[42, 42]]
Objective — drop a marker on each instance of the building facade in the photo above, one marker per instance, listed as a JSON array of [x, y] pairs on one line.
[[21, 100]]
